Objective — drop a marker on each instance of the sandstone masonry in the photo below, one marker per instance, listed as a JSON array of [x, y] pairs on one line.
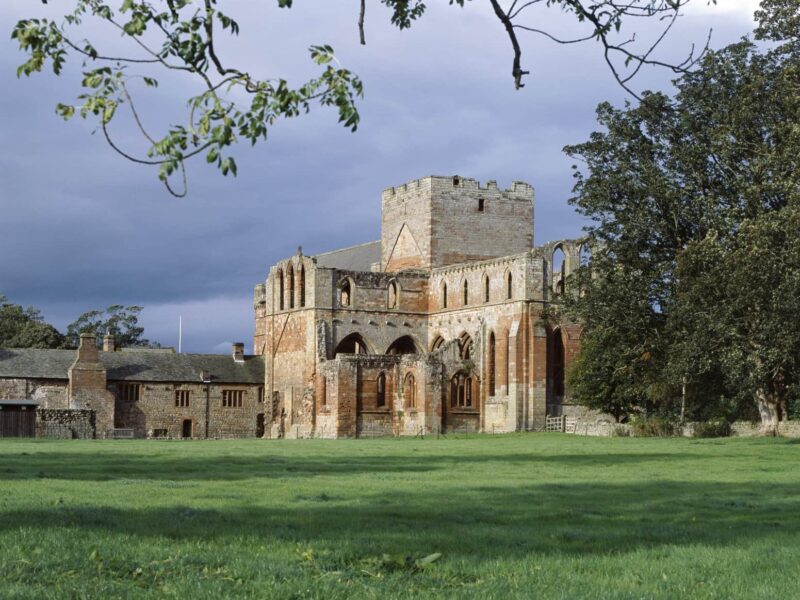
[[436, 327]]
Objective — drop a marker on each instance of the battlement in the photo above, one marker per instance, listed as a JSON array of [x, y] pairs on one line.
[[519, 190]]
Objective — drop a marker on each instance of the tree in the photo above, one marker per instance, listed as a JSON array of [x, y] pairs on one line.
[[117, 320], [664, 175], [25, 328], [181, 37], [743, 292]]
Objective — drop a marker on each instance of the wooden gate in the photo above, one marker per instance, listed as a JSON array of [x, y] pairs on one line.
[[17, 421]]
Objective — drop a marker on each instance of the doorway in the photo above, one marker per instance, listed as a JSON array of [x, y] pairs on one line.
[[260, 425], [187, 429], [17, 421]]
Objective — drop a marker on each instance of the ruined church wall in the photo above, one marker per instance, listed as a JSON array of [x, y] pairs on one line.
[[290, 367], [370, 313]]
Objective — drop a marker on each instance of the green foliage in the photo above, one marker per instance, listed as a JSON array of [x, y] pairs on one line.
[[510, 515], [712, 429], [120, 321], [185, 30], [691, 279], [652, 426], [778, 21], [25, 328], [745, 291]]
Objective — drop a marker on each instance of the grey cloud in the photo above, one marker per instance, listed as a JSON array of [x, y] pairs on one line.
[[81, 228]]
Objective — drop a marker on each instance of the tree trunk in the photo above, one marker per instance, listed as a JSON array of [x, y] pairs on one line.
[[768, 409], [683, 402]]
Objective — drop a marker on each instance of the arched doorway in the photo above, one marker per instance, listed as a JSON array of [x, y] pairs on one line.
[[260, 425]]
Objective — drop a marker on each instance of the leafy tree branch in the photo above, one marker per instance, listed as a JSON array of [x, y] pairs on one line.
[[232, 104]]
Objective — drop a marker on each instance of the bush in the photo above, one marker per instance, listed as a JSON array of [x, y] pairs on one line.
[[652, 427], [621, 431], [712, 429]]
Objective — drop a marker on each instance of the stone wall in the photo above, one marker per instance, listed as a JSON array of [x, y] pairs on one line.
[[156, 414], [45, 393], [437, 221], [748, 429], [65, 424]]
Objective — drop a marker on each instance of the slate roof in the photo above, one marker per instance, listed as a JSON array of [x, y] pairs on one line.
[[354, 258], [34, 363]]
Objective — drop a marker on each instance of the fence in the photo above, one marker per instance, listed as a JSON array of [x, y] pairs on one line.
[[121, 434], [561, 424]]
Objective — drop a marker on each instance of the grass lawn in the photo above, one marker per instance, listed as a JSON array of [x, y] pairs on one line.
[[534, 516]]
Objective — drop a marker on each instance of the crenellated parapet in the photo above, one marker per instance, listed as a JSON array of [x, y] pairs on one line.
[[519, 190]]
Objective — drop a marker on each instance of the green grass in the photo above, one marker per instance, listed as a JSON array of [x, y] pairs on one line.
[[533, 516]]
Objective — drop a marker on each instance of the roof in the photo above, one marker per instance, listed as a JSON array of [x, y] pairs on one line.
[[354, 258], [33, 363], [19, 403]]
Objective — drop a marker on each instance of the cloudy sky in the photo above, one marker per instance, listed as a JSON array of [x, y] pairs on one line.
[[81, 228]]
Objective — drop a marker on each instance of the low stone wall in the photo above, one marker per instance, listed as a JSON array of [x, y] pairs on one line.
[[747, 429], [462, 422], [605, 427], [70, 424], [375, 424], [599, 428]]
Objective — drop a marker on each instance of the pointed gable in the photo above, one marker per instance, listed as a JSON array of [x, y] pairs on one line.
[[405, 253]]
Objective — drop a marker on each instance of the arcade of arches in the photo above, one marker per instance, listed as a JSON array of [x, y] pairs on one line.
[[398, 392]]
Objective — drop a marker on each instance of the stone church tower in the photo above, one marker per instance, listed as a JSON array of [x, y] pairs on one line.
[[436, 327]]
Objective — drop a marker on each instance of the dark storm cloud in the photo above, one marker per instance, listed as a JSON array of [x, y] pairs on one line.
[[81, 228]]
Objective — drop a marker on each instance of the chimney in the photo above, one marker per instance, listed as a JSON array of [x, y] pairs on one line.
[[108, 343], [87, 349], [238, 352], [88, 386]]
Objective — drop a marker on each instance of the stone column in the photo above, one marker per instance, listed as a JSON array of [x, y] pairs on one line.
[[346, 399]]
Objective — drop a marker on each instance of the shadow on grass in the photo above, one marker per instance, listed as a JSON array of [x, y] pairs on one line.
[[110, 467], [473, 523]]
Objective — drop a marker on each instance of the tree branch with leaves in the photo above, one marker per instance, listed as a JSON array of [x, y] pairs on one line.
[[170, 37]]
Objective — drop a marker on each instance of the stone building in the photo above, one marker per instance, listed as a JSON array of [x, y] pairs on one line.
[[435, 327], [143, 392], [438, 326]]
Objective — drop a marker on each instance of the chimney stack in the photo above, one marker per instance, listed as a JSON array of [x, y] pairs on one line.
[[87, 349], [238, 352], [108, 343], [88, 386]]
